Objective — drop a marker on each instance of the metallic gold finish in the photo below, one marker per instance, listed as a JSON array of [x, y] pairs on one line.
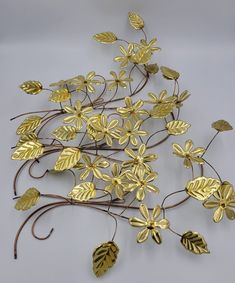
[[28, 199], [83, 192], [105, 37], [25, 138], [104, 257], [28, 150], [223, 200], [222, 126], [169, 74], [60, 95], [152, 68], [67, 159], [177, 127], [194, 243], [201, 188], [65, 133], [135, 20], [189, 153], [30, 124], [31, 87], [149, 224]]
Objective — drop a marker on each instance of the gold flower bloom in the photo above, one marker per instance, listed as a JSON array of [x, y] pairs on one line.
[[150, 46], [93, 167], [139, 160], [127, 55], [116, 182], [163, 98], [223, 199], [86, 83], [149, 224], [78, 114], [130, 132], [188, 153], [105, 130], [131, 110], [140, 183], [118, 80]]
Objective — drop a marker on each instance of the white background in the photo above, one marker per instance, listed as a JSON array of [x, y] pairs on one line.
[[50, 40]]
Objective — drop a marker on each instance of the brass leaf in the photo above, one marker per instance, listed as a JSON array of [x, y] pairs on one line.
[[28, 150], [104, 257], [152, 68], [27, 137], [28, 199], [194, 243], [162, 110], [201, 188], [222, 126], [177, 127], [60, 95], [29, 125], [105, 37], [31, 87], [169, 74], [67, 159], [135, 20], [65, 133], [142, 56], [83, 192]]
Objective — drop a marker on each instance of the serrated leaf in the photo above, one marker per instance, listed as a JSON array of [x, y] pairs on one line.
[[29, 125], [65, 133], [28, 150], [104, 257], [162, 110], [169, 74], [177, 127], [105, 37], [201, 188], [67, 159], [152, 68], [83, 192], [142, 56], [135, 20], [31, 87], [25, 138], [60, 95], [28, 199], [222, 126], [194, 243]]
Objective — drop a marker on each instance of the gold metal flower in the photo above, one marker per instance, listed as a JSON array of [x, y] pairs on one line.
[[130, 132], [79, 114], [223, 199], [118, 80], [126, 55], [162, 98], [91, 167], [149, 45], [149, 224], [131, 110], [105, 130], [86, 83], [139, 160], [116, 182], [188, 153], [141, 182]]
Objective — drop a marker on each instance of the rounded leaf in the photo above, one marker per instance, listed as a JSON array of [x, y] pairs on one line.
[[31, 87], [60, 95], [135, 20], [177, 127], [169, 74], [105, 37], [28, 150], [65, 133], [222, 126], [194, 243], [68, 158], [30, 124], [28, 199], [83, 192], [201, 188], [104, 257]]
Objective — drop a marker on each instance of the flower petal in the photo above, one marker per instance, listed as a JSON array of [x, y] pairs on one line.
[[156, 236], [144, 211], [163, 224], [210, 204], [188, 145], [218, 214], [143, 235], [230, 213], [136, 222]]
